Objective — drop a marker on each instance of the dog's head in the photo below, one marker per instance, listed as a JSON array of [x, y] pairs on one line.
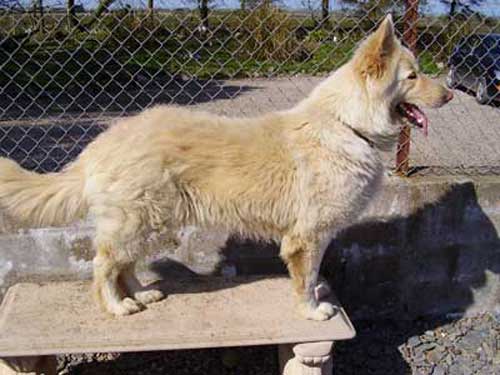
[[389, 75]]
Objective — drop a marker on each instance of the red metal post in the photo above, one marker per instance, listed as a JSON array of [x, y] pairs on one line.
[[410, 38]]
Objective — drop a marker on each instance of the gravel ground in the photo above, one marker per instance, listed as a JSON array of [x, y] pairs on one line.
[[425, 347]]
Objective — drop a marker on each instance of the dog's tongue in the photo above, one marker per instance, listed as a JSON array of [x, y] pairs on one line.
[[416, 116]]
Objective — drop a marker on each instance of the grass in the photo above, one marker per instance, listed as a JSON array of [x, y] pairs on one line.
[[262, 43], [124, 45], [428, 64]]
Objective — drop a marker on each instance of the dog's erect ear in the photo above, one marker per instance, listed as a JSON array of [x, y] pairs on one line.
[[384, 37], [373, 54]]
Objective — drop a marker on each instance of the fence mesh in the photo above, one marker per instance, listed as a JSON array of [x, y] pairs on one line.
[[67, 69]]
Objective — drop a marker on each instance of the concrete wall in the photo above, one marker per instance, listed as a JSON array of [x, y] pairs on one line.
[[434, 249], [426, 245]]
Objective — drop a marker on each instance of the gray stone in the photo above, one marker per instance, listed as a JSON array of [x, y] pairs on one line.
[[455, 369], [448, 359], [438, 370], [475, 366], [414, 341], [436, 355], [488, 351], [472, 340], [461, 367], [428, 346], [419, 360]]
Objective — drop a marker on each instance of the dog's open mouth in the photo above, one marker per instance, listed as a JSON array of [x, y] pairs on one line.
[[413, 115]]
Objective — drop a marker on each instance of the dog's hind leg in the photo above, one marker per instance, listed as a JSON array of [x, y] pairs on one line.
[[135, 289], [303, 256], [108, 292]]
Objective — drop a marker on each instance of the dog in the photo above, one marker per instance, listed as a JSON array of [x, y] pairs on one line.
[[297, 176]]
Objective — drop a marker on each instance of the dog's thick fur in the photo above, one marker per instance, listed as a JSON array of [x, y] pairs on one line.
[[296, 176]]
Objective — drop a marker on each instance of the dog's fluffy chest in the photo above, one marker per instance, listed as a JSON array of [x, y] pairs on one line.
[[339, 178]]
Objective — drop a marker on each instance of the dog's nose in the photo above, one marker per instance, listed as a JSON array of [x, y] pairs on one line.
[[449, 96]]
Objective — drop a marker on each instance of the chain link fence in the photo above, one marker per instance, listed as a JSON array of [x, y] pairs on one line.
[[68, 68]]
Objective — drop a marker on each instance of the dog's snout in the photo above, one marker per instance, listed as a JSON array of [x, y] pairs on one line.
[[449, 96]]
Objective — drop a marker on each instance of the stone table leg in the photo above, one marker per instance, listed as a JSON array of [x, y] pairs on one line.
[[312, 358]]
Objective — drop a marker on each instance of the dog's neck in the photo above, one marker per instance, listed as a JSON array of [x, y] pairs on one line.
[[359, 134], [340, 98]]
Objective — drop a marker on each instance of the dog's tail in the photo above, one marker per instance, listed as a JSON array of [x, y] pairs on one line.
[[41, 199]]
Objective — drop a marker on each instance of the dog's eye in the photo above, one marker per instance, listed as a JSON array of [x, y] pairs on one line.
[[412, 75]]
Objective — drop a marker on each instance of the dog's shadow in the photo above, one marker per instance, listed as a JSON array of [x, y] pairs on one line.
[[173, 277], [436, 264]]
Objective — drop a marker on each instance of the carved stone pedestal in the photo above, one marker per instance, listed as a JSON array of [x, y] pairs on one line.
[[306, 359]]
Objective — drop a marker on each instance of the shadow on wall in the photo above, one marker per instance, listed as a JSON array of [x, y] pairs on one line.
[[444, 258], [440, 259], [46, 148]]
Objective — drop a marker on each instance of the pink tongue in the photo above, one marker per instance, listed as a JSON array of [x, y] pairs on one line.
[[421, 118]]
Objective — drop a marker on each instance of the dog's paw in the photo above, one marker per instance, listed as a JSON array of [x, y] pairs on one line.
[[327, 308], [149, 296], [323, 311], [126, 306]]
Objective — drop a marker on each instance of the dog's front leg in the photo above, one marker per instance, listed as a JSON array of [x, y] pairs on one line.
[[303, 255]]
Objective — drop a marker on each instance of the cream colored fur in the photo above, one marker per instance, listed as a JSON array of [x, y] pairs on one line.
[[297, 176]]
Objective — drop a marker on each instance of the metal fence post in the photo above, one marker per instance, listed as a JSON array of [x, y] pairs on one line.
[[410, 38]]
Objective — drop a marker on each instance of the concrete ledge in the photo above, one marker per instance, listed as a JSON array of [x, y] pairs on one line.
[[427, 245]]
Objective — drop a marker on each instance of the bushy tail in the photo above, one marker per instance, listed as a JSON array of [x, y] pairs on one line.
[[41, 199]]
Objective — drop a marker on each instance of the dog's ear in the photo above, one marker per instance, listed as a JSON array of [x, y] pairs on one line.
[[384, 38], [374, 53]]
